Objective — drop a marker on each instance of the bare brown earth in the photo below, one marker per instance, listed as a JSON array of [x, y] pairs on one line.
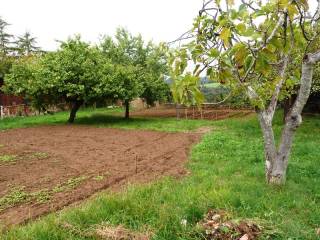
[[54, 166], [207, 113]]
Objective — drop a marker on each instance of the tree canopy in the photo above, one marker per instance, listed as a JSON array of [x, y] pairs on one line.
[[11, 49], [263, 48], [123, 69], [5, 38], [139, 70], [26, 44], [72, 74]]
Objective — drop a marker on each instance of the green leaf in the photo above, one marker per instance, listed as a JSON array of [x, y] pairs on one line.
[[214, 53], [292, 11], [240, 53], [241, 28]]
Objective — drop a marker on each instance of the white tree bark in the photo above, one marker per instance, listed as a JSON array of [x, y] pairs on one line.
[[277, 158]]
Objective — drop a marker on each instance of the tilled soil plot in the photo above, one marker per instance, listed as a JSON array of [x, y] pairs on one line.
[[46, 168]]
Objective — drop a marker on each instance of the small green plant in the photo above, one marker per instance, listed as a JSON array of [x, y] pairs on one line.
[[15, 196], [1, 145], [70, 184], [98, 178], [42, 196], [8, 158]]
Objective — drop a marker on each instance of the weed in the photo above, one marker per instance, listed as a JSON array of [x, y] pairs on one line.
[[98, 178], [69, 185], [15, 196], [8, 158], [42, 196]]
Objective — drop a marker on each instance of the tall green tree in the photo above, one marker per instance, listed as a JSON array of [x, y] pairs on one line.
[[72, 74], [26, 44], [5, 38], [126, 84], [5, 48], [155, 68], [145, 62], [251, 46]]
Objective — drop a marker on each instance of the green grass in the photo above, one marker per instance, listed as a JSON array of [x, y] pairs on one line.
[[227, 173], [103, 117]]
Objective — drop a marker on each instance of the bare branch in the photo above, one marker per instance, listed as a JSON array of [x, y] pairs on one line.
[[187, 35], [249, 5], [273, 103]]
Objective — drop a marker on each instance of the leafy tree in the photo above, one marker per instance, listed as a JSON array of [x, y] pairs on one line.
[[72, 74], [126, 84], [26, 44], [251, 46], [145, 62], [155, 67], [5, 65]]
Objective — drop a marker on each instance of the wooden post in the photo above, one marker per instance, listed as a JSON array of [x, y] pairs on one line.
[[193, 112], [136, 164], [1, 112]]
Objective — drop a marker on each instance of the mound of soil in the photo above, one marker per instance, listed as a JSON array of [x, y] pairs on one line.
[[46, 168]]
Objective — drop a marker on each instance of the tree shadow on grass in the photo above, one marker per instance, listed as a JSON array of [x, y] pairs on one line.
[[113, 120]]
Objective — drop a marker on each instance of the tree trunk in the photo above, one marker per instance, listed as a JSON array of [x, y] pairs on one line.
[[178, 111], [74, 108], [287, 105], [127, 106], [277, 158], [286, 108], [193, 115]]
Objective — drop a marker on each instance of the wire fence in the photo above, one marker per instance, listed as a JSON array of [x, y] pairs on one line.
[[15, 110]]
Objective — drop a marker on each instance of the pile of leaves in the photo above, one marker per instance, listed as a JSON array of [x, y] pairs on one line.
[[218, 225]]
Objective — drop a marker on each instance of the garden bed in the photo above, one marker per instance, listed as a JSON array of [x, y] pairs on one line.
[[46, 168]]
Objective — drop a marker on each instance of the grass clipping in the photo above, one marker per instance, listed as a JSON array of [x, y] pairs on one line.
[[218, 225], [107, 232], [120, 233]]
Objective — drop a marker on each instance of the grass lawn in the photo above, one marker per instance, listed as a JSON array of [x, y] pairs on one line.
[[227, 172], [102, 117]]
